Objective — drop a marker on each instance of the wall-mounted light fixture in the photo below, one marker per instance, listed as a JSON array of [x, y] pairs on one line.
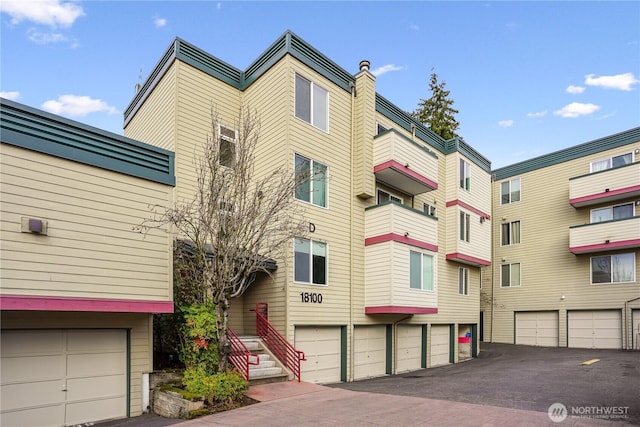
[[312, 227]]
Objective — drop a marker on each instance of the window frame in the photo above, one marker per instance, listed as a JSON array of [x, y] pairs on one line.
[[510, 192], [429, 209], [611, 210], [391, 197], [311, 269], [510, 234], [465, 226], [511, 264], [463, 281], [421, 267], [612, 272], [313, 87], [465, 175], [311, 182], [232, 141], [610, 161]]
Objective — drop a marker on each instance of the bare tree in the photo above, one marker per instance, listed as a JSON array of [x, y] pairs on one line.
[[236, 220]]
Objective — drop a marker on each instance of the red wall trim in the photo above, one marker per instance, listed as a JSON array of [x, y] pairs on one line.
[[395, 309], [605, 246], [468, 207], [456, 256], [604, 194], [400, 238], [392, 164], [46, 303]]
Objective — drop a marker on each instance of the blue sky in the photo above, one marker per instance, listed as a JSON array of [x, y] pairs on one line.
[[528, 78]]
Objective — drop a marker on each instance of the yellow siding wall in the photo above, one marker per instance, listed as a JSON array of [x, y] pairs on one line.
[[141, 335], [92, 249]]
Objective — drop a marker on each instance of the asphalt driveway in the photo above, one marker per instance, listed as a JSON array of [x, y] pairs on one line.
[[529, 378]]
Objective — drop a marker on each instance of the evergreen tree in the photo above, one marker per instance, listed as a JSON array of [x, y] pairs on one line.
[[437, 112]]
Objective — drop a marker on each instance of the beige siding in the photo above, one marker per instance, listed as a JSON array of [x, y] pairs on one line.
[[141, 335], [393, 147], [606, 181], [91, 249], [601, 233], [399, 220]]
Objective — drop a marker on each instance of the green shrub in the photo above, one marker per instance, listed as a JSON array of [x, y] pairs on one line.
[[200, 349], [225, 387]]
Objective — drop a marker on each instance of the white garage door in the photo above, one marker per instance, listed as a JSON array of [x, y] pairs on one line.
[[539, 328], [409, 351], [595, 329], [62, 377], [321, 347], [370, 351], [440, 345]]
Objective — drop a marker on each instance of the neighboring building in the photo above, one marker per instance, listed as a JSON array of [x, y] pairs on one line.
[[78, 285], [389, 279], [566, 245]]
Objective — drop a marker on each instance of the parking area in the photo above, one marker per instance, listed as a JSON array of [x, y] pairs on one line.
[[529, 378]]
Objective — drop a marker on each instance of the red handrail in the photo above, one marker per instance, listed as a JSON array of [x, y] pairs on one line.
[[240, 356], [277, 343]]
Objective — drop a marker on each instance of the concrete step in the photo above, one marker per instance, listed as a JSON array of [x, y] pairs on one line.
[[263, 364], [264, 372]]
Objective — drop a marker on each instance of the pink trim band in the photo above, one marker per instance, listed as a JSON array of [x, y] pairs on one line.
[[393, 164], [394, 237], [623, 244], [468, 207], [604, 194], [456, 256], [46, 303], [395, 309]]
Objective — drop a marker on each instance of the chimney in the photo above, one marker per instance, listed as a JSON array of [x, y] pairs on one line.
[[364, 65]]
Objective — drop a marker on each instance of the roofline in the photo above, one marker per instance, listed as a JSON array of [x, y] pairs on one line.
[[577, 151]]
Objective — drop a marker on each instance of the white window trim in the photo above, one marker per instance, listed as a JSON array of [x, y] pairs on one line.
[[467, 227], [310, 122], [510, 181], [510, 285], [610, 159], [389, 193], [326, 257], [633, 280], [234, 141], [633, 208], [311, 182], [510, 233], [467, 279], [435, 275], [465, 174]]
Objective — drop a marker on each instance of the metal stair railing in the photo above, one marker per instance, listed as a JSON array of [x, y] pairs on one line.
[[278, 344], [241, 357]]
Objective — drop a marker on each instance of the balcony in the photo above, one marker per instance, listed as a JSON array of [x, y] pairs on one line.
[[605, 236], [392, 230], [605, 186], [404, 164]]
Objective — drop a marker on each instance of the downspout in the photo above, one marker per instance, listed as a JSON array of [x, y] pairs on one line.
[[395, 341], [351, 207]]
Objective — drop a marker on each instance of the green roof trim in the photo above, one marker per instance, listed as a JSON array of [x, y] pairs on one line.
[[36, 130], [588, 148], [457, 144]]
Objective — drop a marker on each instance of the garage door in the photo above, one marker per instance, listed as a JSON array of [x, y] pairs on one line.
[[322, 348], [409, 351], [440, 345], [595, 329], [62, 377], [370, 351], [539, 328], [635, 327]]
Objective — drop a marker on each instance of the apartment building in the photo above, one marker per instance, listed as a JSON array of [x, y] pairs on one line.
[[78, 285], [388, 279], [566, 245]]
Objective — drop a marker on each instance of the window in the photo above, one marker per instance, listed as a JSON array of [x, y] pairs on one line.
[[429, 209], [384, 196], [420, 271], [227, 138], [510, 191], [463, 281], [611, 162], [613, 268], [312, 103], [465, 175], [510, 233], [612, 212], [311, 181], [310, 265], [510, 275], [465, 226]]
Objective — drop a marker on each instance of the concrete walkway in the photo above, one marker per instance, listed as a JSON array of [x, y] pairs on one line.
[[304, 404]]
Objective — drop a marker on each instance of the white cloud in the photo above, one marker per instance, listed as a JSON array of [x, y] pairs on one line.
[[505, 123], [13, 95], [575, 90], [414, 27], [219, 5], [159, 22], [386, 69], [619, 81], [537, 115], [53, 13], [576, 109], [76, 106], [39, 37]]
